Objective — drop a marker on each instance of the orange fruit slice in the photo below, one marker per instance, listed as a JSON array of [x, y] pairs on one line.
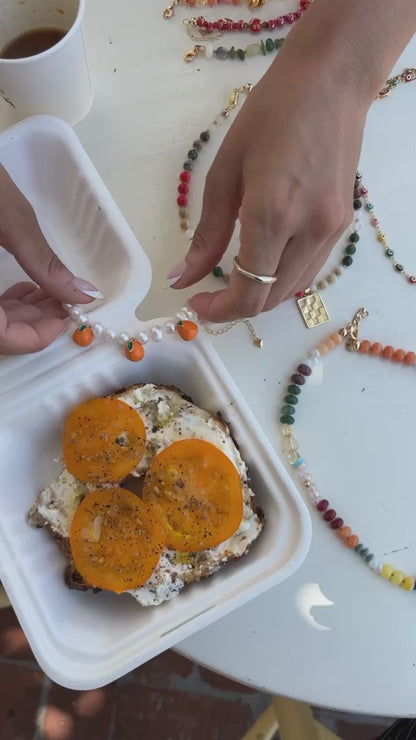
[[103, 440], [197, 492], [116, 540]]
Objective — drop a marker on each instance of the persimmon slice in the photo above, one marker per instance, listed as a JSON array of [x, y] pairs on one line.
[[197, 491], [116, 540], [103, 440]]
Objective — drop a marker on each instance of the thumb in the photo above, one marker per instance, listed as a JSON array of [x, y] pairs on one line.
[[212, 235]]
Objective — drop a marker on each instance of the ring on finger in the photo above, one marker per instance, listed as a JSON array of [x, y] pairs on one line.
[[263, 279]]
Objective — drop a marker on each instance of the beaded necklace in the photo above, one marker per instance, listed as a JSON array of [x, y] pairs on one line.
[[200, 27], [309, 301], [374, 221], [170, 10], [183, 325], [291, 447]]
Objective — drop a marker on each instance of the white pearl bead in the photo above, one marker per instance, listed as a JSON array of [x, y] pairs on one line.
[[209, 49], [110, 335], [156, 334], [75, 312], [314, 354], [189, 234], [67, 306], [182, 316], [192, 316], [123, 337], [170, 327], [143, 337], [97, 329], [83, 319]]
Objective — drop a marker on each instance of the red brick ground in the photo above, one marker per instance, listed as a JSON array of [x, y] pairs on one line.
[[169, 698]]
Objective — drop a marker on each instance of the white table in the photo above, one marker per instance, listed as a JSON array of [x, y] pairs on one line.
[[334, 634]]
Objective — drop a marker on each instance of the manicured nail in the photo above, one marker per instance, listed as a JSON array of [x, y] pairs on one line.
[[176, 273], [87, 288]]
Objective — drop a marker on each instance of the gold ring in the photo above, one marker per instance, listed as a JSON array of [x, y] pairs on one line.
[[263, 279]]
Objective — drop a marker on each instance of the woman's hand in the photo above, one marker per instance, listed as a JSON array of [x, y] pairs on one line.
[[286, 168], [31, 314]]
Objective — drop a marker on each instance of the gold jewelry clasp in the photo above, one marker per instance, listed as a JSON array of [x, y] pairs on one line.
[[235, 97], [169, 12], [350, 332]]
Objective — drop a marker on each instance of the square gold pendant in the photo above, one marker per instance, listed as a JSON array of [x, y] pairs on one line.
[[313, 310]]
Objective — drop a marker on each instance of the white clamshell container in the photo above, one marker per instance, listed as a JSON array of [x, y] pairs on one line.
[[85, 640]]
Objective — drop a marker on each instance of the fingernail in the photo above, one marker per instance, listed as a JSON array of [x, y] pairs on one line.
[[176, 272], [87, 288]]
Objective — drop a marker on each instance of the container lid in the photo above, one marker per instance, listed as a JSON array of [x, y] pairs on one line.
[[82, 224]]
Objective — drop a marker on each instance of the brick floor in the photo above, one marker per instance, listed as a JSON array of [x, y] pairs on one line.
[[169, 698]]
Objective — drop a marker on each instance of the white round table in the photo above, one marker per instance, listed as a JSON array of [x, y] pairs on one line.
[[334, 634]]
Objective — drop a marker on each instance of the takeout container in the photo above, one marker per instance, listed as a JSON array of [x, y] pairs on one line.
[[85, 640]]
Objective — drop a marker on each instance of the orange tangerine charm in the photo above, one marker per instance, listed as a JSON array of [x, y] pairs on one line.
[[187, 330], [134, 351], [83, 336]]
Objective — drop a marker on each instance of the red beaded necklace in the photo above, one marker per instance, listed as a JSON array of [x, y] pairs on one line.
[[255, 25], [170, 10]]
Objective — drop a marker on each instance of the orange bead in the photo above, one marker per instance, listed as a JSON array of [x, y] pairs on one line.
[[336, 338], [330, 344], [388, 352], [399, 355], [83, 336], [352, 541], [364, 346], [376, 348], [410, 358], [344, 532], [134, 351]]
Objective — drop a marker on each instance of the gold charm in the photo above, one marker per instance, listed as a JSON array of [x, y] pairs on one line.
[[313, 310], [256, 4]]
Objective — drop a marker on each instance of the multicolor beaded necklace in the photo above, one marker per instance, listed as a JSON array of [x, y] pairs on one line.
[[309, 301], [291, 447], [397, 266]]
